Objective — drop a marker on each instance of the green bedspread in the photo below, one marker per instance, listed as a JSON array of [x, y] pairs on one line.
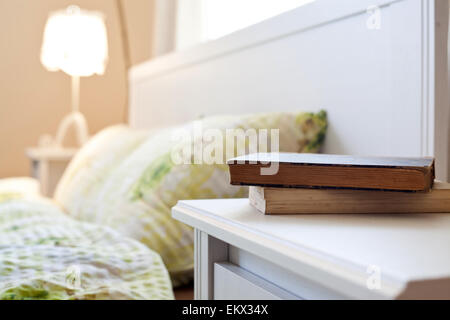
[[45, 254]]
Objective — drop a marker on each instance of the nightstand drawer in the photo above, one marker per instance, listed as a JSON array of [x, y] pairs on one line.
[[294, 283], [234, 283]]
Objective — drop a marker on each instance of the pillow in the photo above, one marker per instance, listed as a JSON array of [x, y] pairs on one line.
[[46, 255], [88, 170], [18, 187], [137, 196]]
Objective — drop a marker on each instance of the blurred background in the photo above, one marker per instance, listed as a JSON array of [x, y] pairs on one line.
[[33, 101]]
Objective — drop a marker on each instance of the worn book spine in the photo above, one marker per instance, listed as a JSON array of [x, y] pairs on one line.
[[333, 171], [331, 176], [340, 201]]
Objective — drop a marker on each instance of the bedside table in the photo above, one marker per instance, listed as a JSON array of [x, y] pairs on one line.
[[243, 254], [48, 165]]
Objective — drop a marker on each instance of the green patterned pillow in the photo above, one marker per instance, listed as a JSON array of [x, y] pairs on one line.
[[137, 196], [83, 179]]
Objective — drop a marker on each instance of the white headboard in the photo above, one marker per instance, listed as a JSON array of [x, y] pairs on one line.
[[381, 75]]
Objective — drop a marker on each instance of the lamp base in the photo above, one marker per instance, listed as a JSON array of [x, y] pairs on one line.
[[76, 119]]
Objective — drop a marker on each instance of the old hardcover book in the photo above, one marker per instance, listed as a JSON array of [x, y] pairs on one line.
[[312, 201], [332, 171]]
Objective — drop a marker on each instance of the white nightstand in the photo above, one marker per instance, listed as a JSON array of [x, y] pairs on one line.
[[243, 254], [48, 165]]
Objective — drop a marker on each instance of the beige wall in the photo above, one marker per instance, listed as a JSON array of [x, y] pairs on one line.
[[34, 100]]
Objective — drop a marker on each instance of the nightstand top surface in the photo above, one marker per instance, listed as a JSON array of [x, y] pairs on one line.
[[405, 247], [37, 153]]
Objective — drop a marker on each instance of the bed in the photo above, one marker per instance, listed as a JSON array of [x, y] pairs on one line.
[[44, 254]]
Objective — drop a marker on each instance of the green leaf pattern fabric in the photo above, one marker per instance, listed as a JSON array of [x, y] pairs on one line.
[[46, 255]]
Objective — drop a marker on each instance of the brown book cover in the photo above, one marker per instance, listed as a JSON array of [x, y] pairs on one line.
[[273, 201], [332, 171]]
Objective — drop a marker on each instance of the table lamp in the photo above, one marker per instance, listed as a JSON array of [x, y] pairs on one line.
[[75, 42]]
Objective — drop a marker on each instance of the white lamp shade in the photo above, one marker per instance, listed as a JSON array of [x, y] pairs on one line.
[[75, 42]]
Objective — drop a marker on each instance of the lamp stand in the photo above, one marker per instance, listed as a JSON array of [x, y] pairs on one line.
[[75, 118]]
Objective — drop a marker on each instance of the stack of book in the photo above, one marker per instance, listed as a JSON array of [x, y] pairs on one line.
[[293, 183]]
